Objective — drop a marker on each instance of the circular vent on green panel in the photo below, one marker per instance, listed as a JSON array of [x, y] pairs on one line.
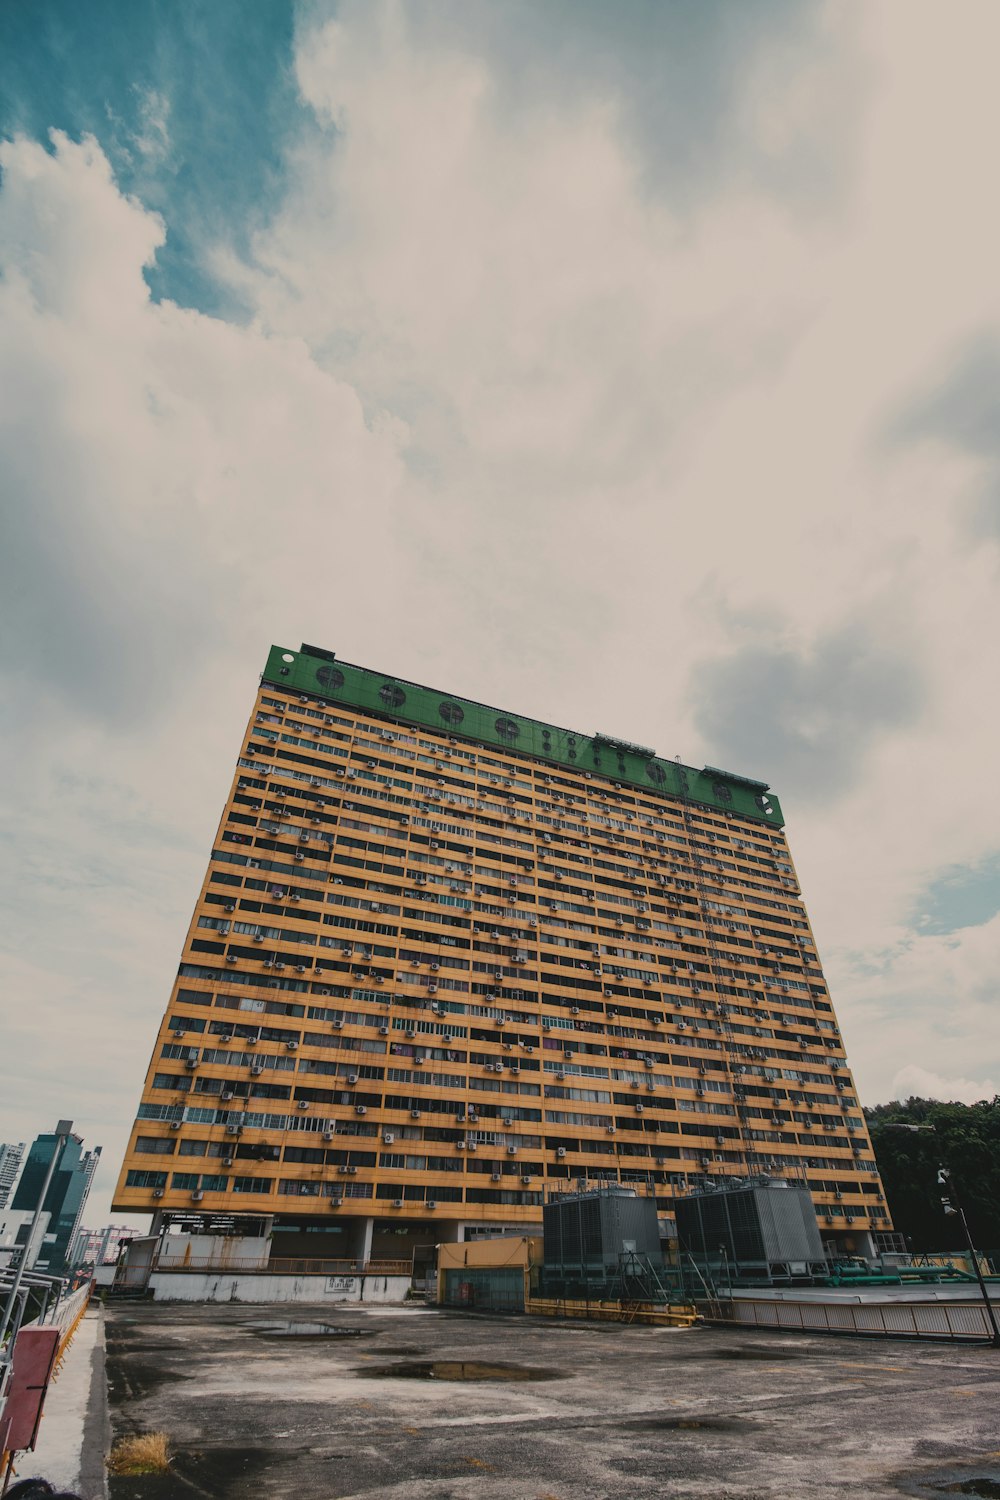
[[331, 678], [391, 695], [451, 713], [508, 730], [656, 773]]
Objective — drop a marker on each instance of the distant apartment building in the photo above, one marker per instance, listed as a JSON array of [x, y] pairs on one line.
[[64, 1202], [446, 960], [99, 1247], [10, 1164]]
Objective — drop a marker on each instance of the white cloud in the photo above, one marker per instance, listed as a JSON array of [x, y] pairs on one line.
[[912, 1081], [152, 138], [185, 491], [925, 1004]]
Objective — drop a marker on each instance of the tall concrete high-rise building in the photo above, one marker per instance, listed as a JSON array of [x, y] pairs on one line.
[[446, 959], [10, 1165], [65, 1199]]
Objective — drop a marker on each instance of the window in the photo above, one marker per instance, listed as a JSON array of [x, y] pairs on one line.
[[146, 1179]]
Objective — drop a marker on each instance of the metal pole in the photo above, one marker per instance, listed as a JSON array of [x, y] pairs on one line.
[[952, 1205], [62, 1132], [991, 1315]]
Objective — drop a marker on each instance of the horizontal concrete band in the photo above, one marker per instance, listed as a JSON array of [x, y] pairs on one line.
[[223, 1286]]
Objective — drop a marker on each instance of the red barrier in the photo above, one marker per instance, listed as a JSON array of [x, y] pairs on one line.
[[35, 1351]]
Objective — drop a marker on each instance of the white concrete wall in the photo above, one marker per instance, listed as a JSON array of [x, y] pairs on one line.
[[213, 1249], [226, 1286]]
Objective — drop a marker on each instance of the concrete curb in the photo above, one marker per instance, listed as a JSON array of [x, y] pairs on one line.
[[93, 1484]]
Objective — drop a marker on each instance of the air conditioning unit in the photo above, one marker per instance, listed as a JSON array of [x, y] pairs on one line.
[[511, 1150], [227, 1161], [302, 1104], [197, 1195], [157, 1192], [397, 1202], [431, 1203], [234, 1129], [496, 1177], [414, 1114], [611, 1129], [191, 1062], [292, 1046], [560, 1151], [360, 1109], [175, 1124], [328, 1135], [352, 1077]]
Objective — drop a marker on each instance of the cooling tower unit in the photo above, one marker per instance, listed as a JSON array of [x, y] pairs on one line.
[[757, 1231]]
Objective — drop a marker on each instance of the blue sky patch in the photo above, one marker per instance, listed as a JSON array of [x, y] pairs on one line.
[[962, 897], [192, 103]]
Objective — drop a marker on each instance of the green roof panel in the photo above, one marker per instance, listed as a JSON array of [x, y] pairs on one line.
[[319, 674]]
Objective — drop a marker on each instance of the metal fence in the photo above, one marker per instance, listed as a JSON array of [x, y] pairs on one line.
[[954, 1320]]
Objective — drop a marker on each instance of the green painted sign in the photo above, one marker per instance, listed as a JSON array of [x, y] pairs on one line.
[[318, 674]]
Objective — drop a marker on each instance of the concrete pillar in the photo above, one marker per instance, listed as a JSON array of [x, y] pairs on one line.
[[363, 1241]]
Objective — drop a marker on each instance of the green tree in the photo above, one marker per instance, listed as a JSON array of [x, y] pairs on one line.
[[966, 1139]]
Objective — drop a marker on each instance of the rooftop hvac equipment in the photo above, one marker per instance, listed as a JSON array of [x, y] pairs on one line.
[[765, 1229], [586, 1233]]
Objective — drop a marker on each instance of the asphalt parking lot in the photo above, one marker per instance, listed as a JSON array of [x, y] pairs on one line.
[[414, 1404]]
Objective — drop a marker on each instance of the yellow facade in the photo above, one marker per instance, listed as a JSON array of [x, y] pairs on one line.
[[428, 980]]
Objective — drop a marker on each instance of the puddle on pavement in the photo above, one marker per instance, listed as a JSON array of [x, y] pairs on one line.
[[770, 1355], [981, 1485], [306, 1331], [448, 1369], [685, 1424], [978, 1485]]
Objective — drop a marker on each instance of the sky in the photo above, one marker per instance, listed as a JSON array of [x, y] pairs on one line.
[[635, 367]]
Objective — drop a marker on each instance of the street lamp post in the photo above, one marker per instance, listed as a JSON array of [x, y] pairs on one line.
[[951, 1205]]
